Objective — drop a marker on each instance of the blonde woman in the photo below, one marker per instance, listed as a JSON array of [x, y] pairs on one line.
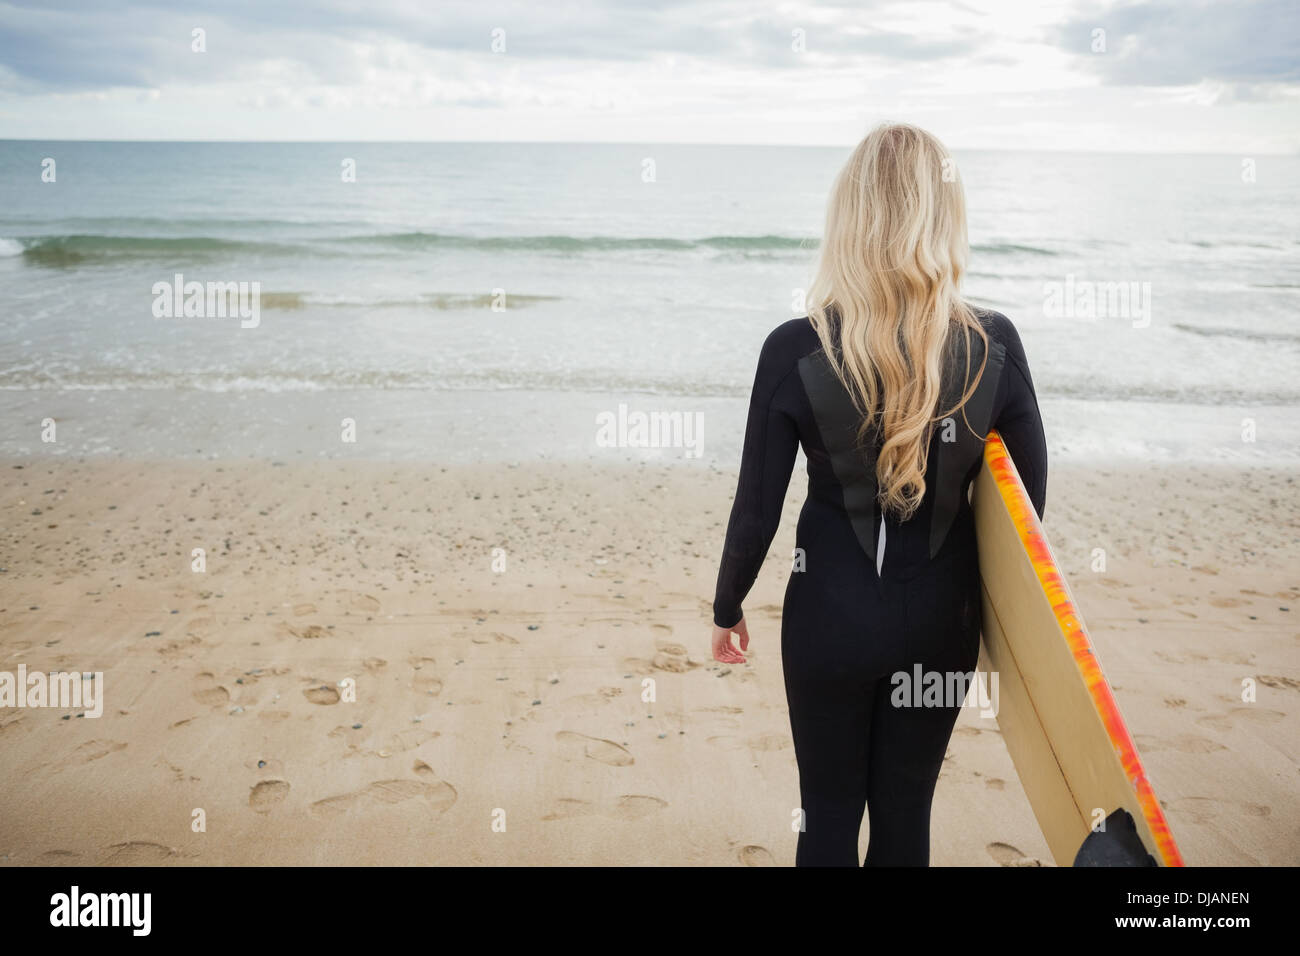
[[891, 384]]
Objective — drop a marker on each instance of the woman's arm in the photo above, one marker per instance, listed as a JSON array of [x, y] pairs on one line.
[[771, 442], [1019, 422]]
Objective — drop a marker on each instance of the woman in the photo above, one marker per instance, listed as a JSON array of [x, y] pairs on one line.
[[891, 384]]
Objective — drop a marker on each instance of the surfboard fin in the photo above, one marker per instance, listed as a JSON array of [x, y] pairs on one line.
[[1118, 844]]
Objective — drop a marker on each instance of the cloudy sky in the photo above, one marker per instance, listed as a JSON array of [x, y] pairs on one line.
[[1139, 75]]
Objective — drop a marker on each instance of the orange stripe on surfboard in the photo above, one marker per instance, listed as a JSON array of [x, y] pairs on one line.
[[1034, 541]]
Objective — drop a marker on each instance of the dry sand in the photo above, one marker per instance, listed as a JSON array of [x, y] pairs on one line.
[[484, 697]]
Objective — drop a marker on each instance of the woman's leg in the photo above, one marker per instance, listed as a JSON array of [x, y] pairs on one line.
[[941, 628], [830, 719], [837, 638], [906, 753]]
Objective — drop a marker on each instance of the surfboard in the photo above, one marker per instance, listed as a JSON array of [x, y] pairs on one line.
[[1062, 727]]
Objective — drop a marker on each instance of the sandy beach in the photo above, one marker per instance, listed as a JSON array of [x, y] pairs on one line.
[[499, 713]]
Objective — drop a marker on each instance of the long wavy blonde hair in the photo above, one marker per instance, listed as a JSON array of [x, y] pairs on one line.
[[885, 298]]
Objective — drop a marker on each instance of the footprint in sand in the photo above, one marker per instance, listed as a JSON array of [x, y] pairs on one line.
[[566, 808], [574, 746], [496, 637], [634, 806], [94, 749], [322, 694], [302, 610], [212, 696], [630, 806], [1228, 721], [671, 663], [137, 853], [756, 856], [583, 704], [438, 796], [178, 648], [672, 657], [267, 795], [1209, 810], [1004, 854], [409, 739], [308, 632], [10, 724], [199, 627], [364, 602], [1279, 683], [1179, 743], [425, 681], [637, 665], [995, 783], [428, 684], [178, 774]]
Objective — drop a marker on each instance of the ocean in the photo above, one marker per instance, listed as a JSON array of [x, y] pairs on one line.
[[490, 302]]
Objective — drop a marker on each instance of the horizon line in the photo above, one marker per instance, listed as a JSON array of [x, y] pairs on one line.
[[564, 142]]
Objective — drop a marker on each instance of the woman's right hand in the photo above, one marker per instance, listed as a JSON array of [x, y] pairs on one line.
[[723, 649]]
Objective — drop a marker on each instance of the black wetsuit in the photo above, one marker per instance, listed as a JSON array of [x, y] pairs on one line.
[[846, 630]]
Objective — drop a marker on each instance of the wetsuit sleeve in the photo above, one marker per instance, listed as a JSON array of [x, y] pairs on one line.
[[771, 443], [1019, 421]]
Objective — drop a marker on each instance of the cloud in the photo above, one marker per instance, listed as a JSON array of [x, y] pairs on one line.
[[1253, 46], [84, 46], [664, 70]]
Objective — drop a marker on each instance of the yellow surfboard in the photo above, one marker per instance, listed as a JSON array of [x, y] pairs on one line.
[[1061, 724]]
